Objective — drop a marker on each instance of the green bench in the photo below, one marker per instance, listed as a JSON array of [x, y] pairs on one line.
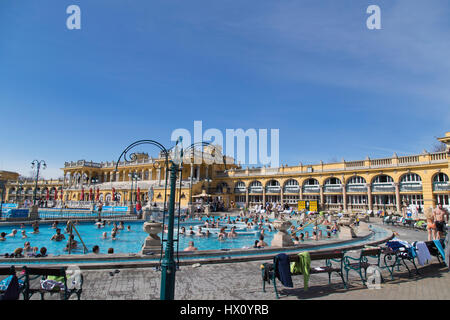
[[362, 263], [269, 270], [32, 285]]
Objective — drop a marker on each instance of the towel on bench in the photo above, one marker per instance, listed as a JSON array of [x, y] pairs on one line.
[[283, 273], [302, 266]]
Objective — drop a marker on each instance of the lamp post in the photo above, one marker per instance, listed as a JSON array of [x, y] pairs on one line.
[[37, 164], [168, 265], [133, 177], [2, 186]]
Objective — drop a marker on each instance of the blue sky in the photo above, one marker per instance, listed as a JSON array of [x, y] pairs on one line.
[[141, 69]]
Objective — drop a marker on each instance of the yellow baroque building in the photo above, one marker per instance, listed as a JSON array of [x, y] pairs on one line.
[[369, 184]]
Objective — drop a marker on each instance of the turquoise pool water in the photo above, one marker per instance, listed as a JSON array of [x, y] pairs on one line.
[[130, 241]]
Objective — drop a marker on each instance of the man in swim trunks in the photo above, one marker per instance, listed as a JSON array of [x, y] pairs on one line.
[[440, 219], [58, 236]]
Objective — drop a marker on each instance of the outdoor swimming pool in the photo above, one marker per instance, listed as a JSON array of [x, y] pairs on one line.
[[131, 241]]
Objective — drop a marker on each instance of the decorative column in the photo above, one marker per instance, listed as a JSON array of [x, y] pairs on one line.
[[321, 196], [369, 196], [300, 192], [397, 197], [246, 197], [281, 195], [158, 175], [150, 174], [198, 172], [344, 195]]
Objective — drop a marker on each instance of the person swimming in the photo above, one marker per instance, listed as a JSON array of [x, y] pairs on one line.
[[13, 233], [58, 236]]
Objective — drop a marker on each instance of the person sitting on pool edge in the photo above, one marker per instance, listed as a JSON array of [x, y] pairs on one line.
[[191, 247], [58, 236], [42, 253], [27, 247], [18, 253]]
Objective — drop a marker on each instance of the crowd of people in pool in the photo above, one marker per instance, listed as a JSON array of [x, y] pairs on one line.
[[254, 220], [223, 228], [72, 245]]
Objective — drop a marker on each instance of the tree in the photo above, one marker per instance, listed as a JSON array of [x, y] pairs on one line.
[[439, 147]]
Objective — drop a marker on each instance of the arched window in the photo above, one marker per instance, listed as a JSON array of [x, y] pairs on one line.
[[383, 179], [255, 187], [332, 185], [440, 182], [410, 182], [273, 186], [356, 180], [356, 184], [311, 182], [291, 186], [440, 177], [383, 183], [311, 186], [332, 181], [239, 187]]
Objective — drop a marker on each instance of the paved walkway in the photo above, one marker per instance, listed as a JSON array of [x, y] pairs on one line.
[[242, 281]]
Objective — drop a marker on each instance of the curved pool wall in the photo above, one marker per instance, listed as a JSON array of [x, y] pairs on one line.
[[376, 236]]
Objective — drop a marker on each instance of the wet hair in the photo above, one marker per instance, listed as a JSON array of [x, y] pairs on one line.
[[111, 250], [3, 234], [43, 251], [95, 249]]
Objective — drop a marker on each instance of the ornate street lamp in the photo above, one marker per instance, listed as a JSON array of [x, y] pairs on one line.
[[192, 149], [38, 165], [2, 186], [168, 265]]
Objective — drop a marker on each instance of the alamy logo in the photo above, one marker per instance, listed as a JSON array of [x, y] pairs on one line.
[[74, 277], [253, 153], [373, 277]]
